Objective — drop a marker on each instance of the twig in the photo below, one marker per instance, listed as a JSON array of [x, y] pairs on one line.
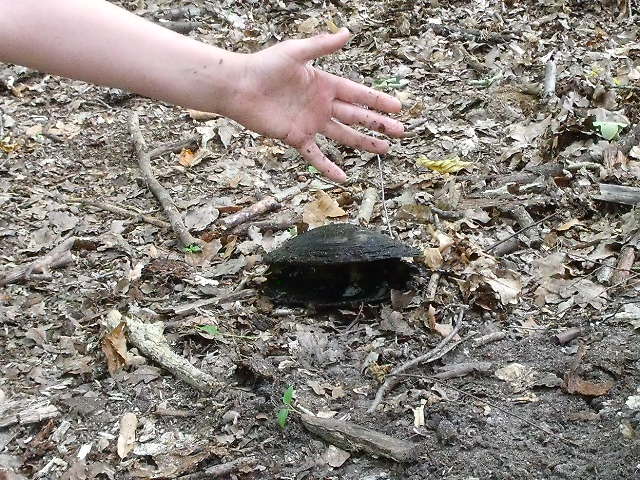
[[435, 353], [384, 203], [432, 287], [56, 258], [518, 232], [148, 338], [174, 147], [265, 205], [163, 196], [568, 335], [220, 470], [119, 211]]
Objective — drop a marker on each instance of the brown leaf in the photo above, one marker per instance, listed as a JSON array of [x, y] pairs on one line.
[[432, 258], [576, 384], [186, 157], [114, 346], [323, 207]]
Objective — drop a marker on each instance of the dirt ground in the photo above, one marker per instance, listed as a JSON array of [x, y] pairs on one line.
[[546, 362]]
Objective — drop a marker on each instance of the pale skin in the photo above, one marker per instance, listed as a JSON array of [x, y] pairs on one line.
[[275, 92]]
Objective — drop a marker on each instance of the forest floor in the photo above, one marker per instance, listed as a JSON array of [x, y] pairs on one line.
[[532, 246]]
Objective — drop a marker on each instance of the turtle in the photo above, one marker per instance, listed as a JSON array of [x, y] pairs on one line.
[[338, 264]]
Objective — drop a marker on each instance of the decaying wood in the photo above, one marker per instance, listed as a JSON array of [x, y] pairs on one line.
[[163, 196], [56, 258], [431, 356], [13, 412], [222, 469], [509, 202], [618, 194], [355, 438], [120, 211], [490, 338], [291, 192], [267, 204], [148, 338], [567, 335], [283, 221], [605, 272], [526, 222], [432, 287], [625, 264], [550, 73], [366, 207], [462, 369]]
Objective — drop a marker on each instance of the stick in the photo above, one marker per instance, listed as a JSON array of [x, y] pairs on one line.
[[550, 71], [435, 353], [356, 438], [265, 205], [56, 258], [163, 196], [518, 232], [568, 335], [148, 338], [120, 211], [384, 203]]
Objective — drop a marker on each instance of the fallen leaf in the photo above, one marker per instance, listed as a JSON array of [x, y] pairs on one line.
[[186, 157], [576, 384], [432, 258], [309, 25], [316, 213], [127, 437], [114, 346], [335, 457], [448, 165]]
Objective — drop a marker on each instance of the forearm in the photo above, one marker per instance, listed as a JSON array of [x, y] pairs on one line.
[[95, 41]]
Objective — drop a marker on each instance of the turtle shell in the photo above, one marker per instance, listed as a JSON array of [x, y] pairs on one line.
[[337, 244], [337, 265]]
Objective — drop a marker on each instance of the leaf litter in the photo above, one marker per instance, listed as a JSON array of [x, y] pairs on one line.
[[470, 76]]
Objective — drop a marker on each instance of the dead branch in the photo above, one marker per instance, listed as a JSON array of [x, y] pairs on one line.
[[56, 258], [284, 221], [163, 196], [148, 338], [432, 287], [366, 207], [265, 205], [462, 369], [175, 147], [568, 335], [618, 194], [431, 356], [355, 438], [120, 211], [489, 338], [625, 264], [222, 469], [14, 412]]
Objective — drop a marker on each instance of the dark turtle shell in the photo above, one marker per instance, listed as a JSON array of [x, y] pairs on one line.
[[339, 243], [335, 265]]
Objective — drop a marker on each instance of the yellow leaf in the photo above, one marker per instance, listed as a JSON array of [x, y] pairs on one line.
[[332, 27], [448, 165], [316, 212]]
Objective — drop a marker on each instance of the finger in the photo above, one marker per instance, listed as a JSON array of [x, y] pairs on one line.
[[312, 154], [352, 92], [353, 115], [352, 138], [320, 45]]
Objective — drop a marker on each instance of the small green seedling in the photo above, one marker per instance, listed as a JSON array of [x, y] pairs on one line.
[[312, 170], [287, 400], [390, 83], [193, 248]]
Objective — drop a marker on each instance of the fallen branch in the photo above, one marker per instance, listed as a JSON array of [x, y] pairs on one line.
[[618, 194], [163, 196], [148, 338], [120, 211], [568, 335], [265, 205], [60, 256], [462, 369], [366, 207], [550, 73], [489, 338], [222, 469], [434, 354], [355, 438]]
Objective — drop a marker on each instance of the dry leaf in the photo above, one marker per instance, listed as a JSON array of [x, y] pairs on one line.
[[186, 158], [576, 384], [114, 346], [570, 224], [316, 213], [127, 437], [432, 258], [309, 25], [332, 27], [448, 165]]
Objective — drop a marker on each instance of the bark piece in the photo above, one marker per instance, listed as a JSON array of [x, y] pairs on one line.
[[366, 207], [355, 438], [618, 194], [265, 205], [150, 341]]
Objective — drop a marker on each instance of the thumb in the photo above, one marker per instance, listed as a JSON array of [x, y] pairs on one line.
[[320, 45]]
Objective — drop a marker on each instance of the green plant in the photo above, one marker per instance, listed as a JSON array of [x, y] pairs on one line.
[[193, 248], [287, 400]]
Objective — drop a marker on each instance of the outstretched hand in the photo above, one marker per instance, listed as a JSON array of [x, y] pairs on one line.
[[281, 95]]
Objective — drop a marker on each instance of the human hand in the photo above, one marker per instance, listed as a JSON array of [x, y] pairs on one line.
[[281, 95]]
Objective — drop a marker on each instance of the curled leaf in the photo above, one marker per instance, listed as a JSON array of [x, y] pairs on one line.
[[448, 165]]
